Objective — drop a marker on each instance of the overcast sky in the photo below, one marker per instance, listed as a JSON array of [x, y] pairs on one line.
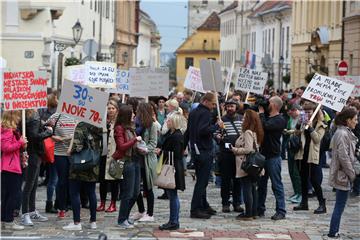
[[171, 18]]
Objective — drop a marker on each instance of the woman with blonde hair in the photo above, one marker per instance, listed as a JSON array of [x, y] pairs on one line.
[[11, 144], [249, 141]]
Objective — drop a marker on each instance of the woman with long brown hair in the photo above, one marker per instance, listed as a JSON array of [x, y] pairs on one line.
[[249, 141]]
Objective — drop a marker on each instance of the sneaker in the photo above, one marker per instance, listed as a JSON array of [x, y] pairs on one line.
[[137, 216], [73, 227], [93, 225], [125, 225], [238, 209], [278, 216], [296, 199], [36, 216], [336, 236], [25, 220], [292, 197], [147, 218], [13, 226], [225, 209], [210, 211], [163, 196], [61, 214]]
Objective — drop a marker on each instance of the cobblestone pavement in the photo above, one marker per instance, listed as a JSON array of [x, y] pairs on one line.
[[296, 226]]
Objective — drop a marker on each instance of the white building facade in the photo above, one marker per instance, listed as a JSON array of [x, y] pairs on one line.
[[30, 29]]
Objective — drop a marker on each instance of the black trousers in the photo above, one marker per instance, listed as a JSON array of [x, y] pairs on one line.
[[228, 180], [10, 191], [149, 196], [309, 171], [31, 182]]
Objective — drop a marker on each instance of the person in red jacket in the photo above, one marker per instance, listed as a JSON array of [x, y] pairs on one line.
[[126, 139], [11, 144]]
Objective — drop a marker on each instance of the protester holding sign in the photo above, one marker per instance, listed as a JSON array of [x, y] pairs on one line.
[[11, 144], [35, 133], [308, 157]]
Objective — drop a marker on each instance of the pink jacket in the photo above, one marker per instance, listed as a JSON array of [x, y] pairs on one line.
[[10, 151]]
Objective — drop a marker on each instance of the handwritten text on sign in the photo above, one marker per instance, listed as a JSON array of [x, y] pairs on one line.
[[193, 80], [100, 74], [146, 82], [354, 80], [122, 82], [328, 91], [83, 103], [251, 81], [25, 90]]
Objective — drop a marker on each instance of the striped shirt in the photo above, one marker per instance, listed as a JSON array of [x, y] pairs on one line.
[[230, 134], [65, 127]]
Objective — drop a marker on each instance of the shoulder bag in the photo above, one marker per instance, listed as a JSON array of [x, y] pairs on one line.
[[254, 162], [166, 179], [49, 146], [86, 159], [116, 168]]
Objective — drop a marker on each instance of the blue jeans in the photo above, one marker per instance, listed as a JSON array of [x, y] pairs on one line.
[[250, 194], [340, 202], [62, 169], [174, 205], [53, 179], [129, 189], [89, 188], [272, 170], [203, 163]]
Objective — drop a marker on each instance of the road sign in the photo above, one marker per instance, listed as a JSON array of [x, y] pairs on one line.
[[342, 68], [90, 47]]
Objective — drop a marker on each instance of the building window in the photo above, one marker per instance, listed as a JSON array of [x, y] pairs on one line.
[[107, 13], [287, 41], [221, 2], [93, 28], [90, 4], [273, 41], [95, 6], [204, 1], [82, 2], [212, 59], [189, 61]]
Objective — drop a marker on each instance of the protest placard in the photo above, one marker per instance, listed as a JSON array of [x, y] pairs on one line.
[[76, 73], [122, 82], [330, 92], [25, 90], [146, 82], [354, 80], [3, 64], [83, 103], [211, 75], [100, 74], [193, 80], [251, 81]]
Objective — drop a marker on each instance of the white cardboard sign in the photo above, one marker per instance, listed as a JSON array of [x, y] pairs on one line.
[[249, 80], [83, 103], [100, 74], [122, 82], [330, 92], [193, 80], [146, 82], [209, 75], [76, 73], [354, 80]]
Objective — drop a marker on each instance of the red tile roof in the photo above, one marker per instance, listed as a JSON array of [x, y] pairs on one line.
[[268, 6], [230, 7], [211, 23]]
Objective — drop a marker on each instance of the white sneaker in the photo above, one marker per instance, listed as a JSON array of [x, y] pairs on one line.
[[93, 225], [125, 225], [147, 218], [137, 216], [73, 227], [25, 220], [36, 216], [14, 226]]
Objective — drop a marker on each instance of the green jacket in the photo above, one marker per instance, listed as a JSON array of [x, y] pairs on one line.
[[150, 138], [82, 132]]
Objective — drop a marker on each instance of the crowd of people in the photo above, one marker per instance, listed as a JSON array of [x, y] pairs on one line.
[[143, 134]]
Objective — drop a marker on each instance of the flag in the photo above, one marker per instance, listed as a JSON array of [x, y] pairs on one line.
[[253, 61], [247, 61]]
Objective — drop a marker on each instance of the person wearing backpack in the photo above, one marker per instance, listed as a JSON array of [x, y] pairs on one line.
[[249, 141], [85, 134]]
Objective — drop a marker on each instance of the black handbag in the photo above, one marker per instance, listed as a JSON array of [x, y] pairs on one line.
[[254, 162], [295, 143], [86, 159]]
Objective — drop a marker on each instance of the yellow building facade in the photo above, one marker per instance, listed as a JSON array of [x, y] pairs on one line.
[[202, 44], [316, 39]]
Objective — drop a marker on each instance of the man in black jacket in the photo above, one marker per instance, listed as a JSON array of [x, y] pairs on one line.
[[199, 134], [274, 126], [226, 138]]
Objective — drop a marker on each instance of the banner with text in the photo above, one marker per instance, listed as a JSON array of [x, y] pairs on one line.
[[76, 73], [100, 74], [193, 80], [252, 81], [83, 103], [354, 80], [122, 82], [147, 82], [25, 90], [211, 75], [330, 92]]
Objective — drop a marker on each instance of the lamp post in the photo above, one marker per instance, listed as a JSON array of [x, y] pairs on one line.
[[112, 49], [281, 63], [77, 30]]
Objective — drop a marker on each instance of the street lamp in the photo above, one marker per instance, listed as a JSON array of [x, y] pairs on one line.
[[125, 57], [77, 30], [281, 63], [112, 49]]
